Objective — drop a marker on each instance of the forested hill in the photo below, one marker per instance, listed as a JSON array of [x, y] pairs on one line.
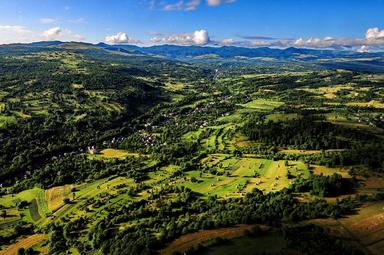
[[56, 98]]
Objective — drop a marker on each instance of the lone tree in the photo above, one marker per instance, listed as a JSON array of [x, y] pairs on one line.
[[3, 214]]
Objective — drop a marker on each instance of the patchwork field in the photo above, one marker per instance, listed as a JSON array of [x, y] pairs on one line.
[[241, 175]]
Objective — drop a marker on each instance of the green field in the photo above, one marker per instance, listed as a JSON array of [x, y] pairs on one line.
[[7, 120], [262, 104]]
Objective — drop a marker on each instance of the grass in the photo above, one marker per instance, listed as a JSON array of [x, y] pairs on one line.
[[329, 171], [79, 117], [13, 214], [21, 115], [175, 86], [7, 120], [55, 196], [372, 103], [328, 92], [77, 86], [112, 154], [34, 210], [262, 104]]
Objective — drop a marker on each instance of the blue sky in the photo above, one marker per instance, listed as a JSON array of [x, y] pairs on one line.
[[279, 23]]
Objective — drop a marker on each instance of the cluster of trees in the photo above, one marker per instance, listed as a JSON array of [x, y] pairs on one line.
[[304, 133], [324, 186], [313, 133], [312, 239]]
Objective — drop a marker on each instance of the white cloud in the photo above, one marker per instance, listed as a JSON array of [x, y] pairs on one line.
[[57, 33], [363, 48], [315, 42], [219, 2], [52, 33], [374, 34], [120, 38], [192, 5], [185, 5], [174, 7], [47, 20], [228, 41], [14, 29], [181, 5], [199, 37]]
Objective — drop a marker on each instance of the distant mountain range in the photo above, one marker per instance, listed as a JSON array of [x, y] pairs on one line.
[[185, 52], [363, 61]]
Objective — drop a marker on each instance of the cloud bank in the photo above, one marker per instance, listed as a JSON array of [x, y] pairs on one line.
[[199, 37], [372, 40], [22, 34]]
